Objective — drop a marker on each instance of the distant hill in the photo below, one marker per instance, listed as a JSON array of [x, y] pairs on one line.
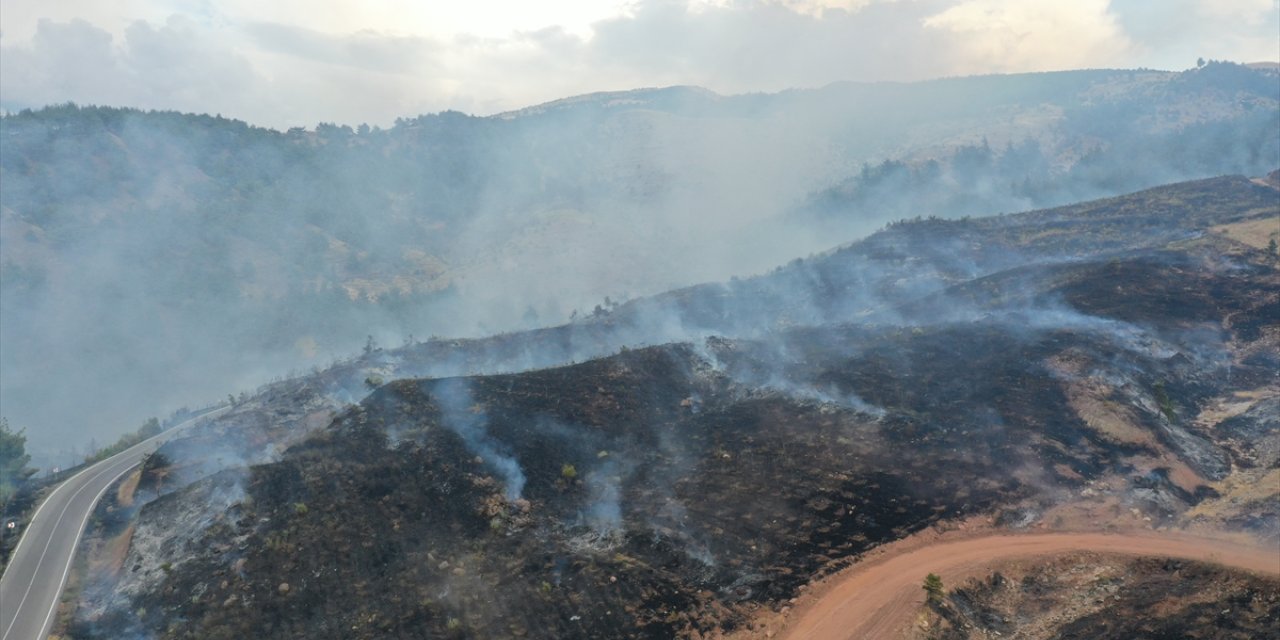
[[155, 259]]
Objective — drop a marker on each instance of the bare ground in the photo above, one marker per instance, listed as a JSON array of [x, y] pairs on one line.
[[879, 597]]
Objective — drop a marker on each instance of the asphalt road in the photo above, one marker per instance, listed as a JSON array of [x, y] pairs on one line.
[[33, 581]]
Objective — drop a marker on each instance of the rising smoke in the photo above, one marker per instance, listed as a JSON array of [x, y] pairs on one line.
[[284, 250], [460, 414]]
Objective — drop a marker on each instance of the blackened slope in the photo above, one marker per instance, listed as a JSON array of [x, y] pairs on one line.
[[720, 497], [1113, 598], [920, 273], [390, 524], [666, 485], [918, 258], [888, 276]]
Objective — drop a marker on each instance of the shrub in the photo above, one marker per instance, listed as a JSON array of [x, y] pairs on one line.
[[933, 587]]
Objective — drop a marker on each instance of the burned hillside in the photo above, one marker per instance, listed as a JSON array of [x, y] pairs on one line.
[[1089, 596], [1014, 368]]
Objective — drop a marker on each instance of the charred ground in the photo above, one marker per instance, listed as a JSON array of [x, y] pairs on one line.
[[1091, 597], [1002, 367]]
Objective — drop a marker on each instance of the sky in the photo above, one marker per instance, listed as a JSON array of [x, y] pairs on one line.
[[289, 63]]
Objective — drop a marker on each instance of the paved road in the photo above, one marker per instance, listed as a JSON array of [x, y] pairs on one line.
[[33, 581], [878, 600]]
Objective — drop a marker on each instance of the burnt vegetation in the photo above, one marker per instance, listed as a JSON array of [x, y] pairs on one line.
[[1112, 598], [929, 373]]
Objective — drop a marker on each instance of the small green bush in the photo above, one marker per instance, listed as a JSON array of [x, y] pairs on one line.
[[933, 587]]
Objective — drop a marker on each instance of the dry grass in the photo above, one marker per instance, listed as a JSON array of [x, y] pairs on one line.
[[128, 486], [1238, 492], [110, 556], [1111, 420], [1255, 233]]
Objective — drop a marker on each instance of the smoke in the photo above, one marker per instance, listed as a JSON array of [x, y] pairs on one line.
[[603, 512], [460, 414], [283, 251], [772, 366]]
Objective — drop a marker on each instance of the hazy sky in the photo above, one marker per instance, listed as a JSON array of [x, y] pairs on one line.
[[298, 62]]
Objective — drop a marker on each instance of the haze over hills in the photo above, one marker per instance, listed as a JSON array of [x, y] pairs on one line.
[[640, 320], [284, 250], [1111, 364]]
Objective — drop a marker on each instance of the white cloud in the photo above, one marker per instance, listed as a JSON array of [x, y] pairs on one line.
[[1173, 33], [807, 7], [1251, 12], [1021, 35], [369, 50], [175, 65], [765, 46], [291, 62]]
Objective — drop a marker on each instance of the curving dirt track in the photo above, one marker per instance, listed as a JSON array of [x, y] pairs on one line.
[[878, 599]]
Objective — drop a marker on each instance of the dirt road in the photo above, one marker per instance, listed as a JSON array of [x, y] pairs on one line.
[[879, 598]]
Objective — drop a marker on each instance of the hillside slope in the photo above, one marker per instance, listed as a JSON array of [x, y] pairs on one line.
[[284, 249], [1106, 364]]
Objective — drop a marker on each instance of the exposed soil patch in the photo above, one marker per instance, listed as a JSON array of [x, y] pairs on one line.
[[880, 598]]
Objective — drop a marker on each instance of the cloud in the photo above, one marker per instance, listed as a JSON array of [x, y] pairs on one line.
[[372, 51], [180, 61], [1173, 33], [176, 65], [766, 46], [71, 59], [284, 64], [1006, 35]]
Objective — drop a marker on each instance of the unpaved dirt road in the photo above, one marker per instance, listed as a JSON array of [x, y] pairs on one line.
[[878, 599]]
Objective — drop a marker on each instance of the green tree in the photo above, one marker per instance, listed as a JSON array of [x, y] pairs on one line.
[[13, 460], [933, 587], [149, 428]]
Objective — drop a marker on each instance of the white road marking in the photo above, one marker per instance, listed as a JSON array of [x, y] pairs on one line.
[[71, 558], [45, 552], [97, 470]]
